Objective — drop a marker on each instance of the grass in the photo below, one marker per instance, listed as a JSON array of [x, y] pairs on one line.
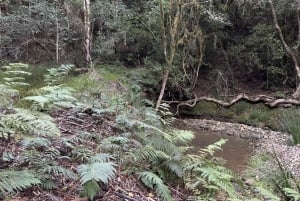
[[289, 121]]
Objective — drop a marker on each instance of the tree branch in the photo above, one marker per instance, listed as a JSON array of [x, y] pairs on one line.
[[267, 100]]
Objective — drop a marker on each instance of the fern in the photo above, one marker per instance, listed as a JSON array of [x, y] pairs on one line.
[[153, 181], [35, 142], [30, 122], [55, 75], [15, 73], [149, 153], [292, 193], [12, 181], [56, 170], [52, 97], [212, 148], [8, 95], [99, 169], [267, 194]]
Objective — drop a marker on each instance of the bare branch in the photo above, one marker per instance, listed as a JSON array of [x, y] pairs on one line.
[[267, 100]]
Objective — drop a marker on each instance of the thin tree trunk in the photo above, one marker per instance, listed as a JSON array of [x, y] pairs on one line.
[[87, 29], [173, 31], [163, 88], [57, 38], [289, 50]]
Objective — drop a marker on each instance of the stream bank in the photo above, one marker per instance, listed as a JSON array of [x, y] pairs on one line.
[[264, 140]]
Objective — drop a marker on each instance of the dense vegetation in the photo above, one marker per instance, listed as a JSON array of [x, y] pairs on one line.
[[90, 135]]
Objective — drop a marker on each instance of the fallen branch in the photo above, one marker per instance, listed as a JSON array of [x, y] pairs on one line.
[[267, 100]]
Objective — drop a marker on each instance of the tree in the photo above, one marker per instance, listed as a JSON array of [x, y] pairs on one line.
[[87, 30], [181, 29], [292, 51]]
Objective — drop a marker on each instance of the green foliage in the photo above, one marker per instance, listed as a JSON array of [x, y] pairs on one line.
[[99, 169], [56, 76], [52, 97], [153, 181], [30, 122], [267, 194], [289, 122], [292, 193], [15, 73], [205, 177], [12, 181]]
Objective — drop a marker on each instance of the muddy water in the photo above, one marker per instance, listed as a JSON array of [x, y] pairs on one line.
[[236, 152]]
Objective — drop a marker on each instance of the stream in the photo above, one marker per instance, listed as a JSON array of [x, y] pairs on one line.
[[236, 152]]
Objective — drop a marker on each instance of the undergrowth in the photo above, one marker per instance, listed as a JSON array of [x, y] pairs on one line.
[[144, 143]]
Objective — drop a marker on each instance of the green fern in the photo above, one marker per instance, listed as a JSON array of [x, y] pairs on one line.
[[12, 181], [31, 122], [38, 142], [153, 181], [267, 194], [56, 75], [53, 97], [292, 193], [99, 169], [15, 73], [8, 95]]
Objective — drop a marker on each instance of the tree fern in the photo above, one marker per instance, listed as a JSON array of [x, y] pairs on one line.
[[153, 181], [11, 181]]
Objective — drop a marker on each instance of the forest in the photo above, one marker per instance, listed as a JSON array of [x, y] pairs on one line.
[[161, 100]]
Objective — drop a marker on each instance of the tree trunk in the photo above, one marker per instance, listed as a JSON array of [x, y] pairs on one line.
[[163, 88], [87, 29], [57, 36], [288, 49]]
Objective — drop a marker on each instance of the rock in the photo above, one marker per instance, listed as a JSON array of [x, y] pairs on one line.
[[250, 182]]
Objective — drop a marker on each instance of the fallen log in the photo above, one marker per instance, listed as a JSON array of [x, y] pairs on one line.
[[270, 101]]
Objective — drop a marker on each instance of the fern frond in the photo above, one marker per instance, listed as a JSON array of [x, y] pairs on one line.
[[57, 170], [16, 73], [292, 193], [149, 153], [31, 123], [182, 136], [11, 181], [212, 148], [56, 75], [35, 142], [91, 188], [174, 167], [7, 95], [218, 178], [267, 194], [52, 96], [153, 181], [97, 171], [101, 157]]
